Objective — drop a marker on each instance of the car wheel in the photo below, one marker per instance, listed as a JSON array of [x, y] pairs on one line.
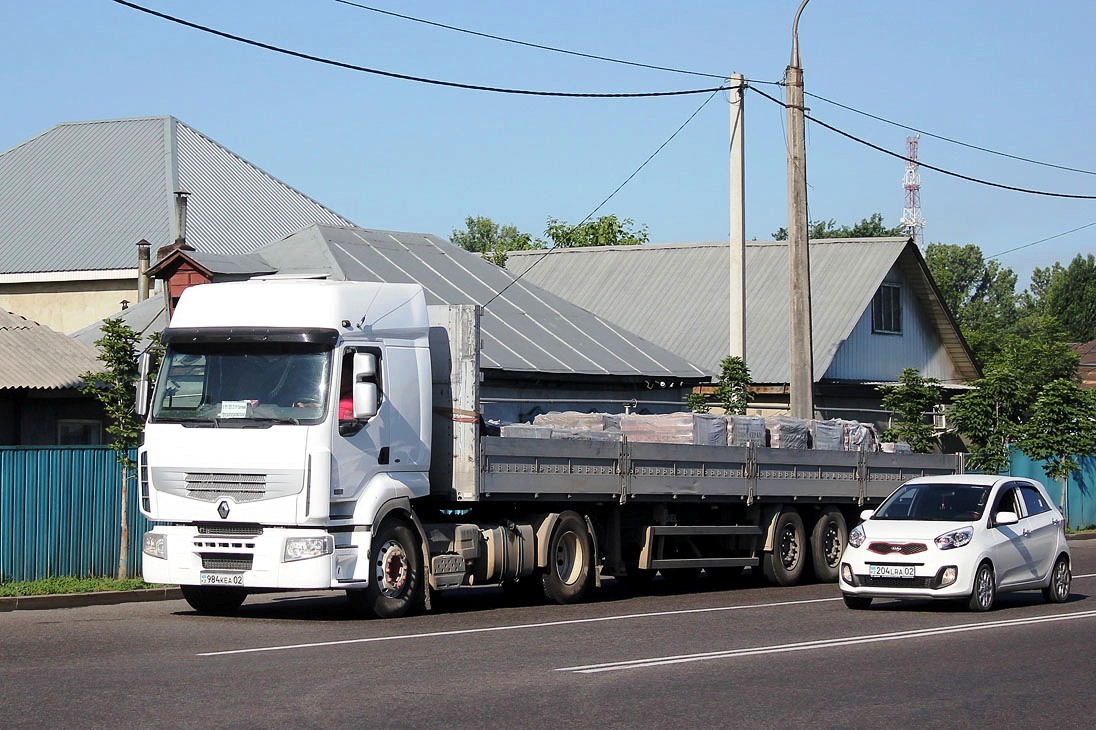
[[857, 603], [985, 589], [828, 540], [1060, 580], [784, 564]]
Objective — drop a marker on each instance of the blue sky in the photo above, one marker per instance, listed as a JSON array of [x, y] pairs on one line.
[[1010, 76]]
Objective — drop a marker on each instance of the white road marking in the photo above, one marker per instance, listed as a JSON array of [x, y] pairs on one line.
[[819, 644], [516, 627]]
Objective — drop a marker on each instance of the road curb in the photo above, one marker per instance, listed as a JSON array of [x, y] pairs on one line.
[[97, 598]]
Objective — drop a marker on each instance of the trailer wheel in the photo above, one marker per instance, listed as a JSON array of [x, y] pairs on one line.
[[784, 564], [395, 576], [214, 599], [570, 560], [827, 543]]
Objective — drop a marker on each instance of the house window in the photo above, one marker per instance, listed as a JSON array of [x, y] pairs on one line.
[[74, 432], [886, 310]]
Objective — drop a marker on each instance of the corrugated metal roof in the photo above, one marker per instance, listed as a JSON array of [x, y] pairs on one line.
[[525, 329], [36, 357], [676, 295], [80, 195]]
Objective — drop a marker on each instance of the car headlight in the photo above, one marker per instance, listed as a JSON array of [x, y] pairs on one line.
[[155, 545], [955, 538], [857, 536], [302, 548]]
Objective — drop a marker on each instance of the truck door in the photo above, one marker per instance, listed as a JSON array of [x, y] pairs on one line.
[[359, 447]]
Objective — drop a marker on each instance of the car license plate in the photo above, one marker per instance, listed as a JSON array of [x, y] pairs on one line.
[[220, 579], [892, 571]]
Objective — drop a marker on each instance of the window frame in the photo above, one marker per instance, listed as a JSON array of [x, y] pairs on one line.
[[886, 313]]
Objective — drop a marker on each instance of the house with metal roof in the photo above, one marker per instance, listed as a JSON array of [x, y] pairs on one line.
[[76, 199], [40, 371], [540, 352], [875, 311]]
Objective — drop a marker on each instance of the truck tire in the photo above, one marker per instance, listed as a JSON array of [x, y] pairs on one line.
[[216, 600], [570, 560], [783, 566], [828, 538], [395, 576]]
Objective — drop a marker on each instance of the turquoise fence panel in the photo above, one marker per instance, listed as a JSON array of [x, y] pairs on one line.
[[1081, 493], [60, 513]]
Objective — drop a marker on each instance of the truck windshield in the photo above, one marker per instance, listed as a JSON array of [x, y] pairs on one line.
[[247, 385], [935, 502]]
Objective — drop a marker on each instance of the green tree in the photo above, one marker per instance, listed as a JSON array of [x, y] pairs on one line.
[[733, 392], [910, 400], [871, 227], [114, 388], [483, 236], [1061, 428], [1068, 294], [607, 230], [989, 416], [980, 294]]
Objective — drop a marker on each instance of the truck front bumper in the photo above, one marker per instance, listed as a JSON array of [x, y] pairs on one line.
[[183, 555]]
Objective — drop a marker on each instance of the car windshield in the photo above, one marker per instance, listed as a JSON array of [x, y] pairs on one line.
[[935, 502], [248, 385]]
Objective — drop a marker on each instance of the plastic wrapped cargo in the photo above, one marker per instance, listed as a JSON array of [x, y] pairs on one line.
[[663, 428], [525, 431], [743, 430], [558, 433], [860, 436], [709, 430], [786, 432], [571, 420], [895, 447], [827, 435]]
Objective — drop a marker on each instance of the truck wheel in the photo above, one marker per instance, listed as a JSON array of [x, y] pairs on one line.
[[395, 576], [570, 560], [214, 599], [784, 565], [827, 543]]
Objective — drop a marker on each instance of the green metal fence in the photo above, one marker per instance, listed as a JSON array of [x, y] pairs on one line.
[[60, 513]]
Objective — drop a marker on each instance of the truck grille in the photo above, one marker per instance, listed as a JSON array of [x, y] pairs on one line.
[[226, 561], [230, 530], [209, 486]]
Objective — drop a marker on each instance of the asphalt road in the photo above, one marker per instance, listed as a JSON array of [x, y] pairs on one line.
[[746, 657]]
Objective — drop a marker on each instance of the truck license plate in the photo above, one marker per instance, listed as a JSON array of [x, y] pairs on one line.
[[892, 571], [220, 579]]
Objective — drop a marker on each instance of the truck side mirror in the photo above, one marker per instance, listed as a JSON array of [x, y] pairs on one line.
[[365, 366], [365, 400], [144, 364]]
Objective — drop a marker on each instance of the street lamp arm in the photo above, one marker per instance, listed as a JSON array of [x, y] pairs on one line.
[[795, 34]]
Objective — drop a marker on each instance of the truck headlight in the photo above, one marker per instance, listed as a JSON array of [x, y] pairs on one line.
[[955, 538], [155, 545], [302, 548]]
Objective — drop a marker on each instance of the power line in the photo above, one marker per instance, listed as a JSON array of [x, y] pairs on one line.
[[1042, 240], [931, 167], [948, 139], [595, 210], [528, 44], [406, 77]]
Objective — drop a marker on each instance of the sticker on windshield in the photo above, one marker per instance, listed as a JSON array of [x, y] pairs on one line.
[[234, 409]]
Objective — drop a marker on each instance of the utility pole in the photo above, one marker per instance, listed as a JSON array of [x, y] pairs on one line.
[[801, 356], [737, 302]]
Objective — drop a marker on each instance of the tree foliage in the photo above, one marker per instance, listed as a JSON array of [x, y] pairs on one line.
[[1062, 427], [483, 236], [910, 400], [607, 230], [990, 416], [1068, 294], [870, 227], [733, 392]]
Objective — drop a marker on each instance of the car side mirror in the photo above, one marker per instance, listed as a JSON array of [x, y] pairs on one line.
[[366, 402], [866, 514], [1006, 518]]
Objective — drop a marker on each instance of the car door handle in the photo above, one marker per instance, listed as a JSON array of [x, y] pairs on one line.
[[1027, 533]]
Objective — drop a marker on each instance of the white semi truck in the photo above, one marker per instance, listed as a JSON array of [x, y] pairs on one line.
[[310, 434]]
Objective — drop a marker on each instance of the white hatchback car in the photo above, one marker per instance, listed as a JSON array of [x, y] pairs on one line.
[[966, 537]]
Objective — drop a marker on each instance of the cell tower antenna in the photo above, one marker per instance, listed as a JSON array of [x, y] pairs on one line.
[[912, 218]]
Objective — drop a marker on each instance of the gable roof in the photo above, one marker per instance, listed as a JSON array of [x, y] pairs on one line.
[[80, 195], [34, 356], [677, 295], [1086, 369]]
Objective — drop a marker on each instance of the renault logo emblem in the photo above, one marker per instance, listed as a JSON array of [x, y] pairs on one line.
[[222, 509]]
